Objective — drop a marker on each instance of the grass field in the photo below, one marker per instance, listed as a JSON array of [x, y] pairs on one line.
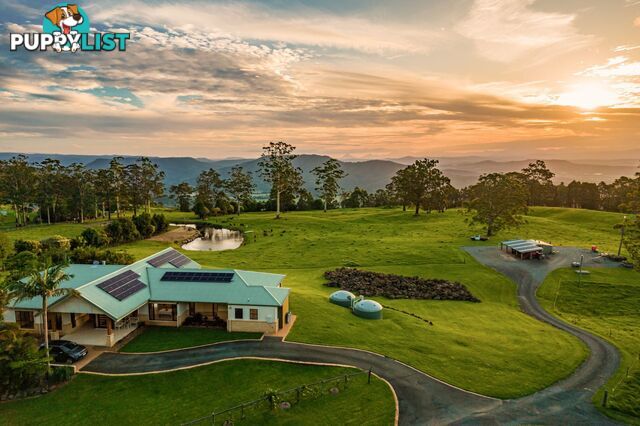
[[155, 339], [490, 347], [608, 304], [176, 397]]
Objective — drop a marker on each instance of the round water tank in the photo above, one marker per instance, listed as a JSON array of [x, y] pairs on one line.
[[369, 309], [342, 298]]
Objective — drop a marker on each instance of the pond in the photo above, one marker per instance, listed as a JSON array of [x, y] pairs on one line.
[[215, 240]]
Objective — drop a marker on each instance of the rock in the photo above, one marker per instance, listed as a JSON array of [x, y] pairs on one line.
[[396, 286], [334, 391]]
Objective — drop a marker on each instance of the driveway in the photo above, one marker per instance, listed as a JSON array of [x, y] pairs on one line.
[[569, 399], [424, 400]]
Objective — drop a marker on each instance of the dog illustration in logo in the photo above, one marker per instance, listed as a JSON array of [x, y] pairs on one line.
[[65, 17]]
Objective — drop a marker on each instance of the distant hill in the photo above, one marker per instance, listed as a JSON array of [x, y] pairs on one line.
[[370, 175]]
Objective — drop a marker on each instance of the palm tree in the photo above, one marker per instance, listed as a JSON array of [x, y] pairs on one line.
[[45, 284]]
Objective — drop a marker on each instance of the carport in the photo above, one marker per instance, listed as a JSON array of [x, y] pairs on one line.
[[524, 249]]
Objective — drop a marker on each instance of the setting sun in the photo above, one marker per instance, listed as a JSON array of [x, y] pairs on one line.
[[588, 96]]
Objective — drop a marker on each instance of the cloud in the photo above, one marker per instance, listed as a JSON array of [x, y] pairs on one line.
[[297, 26], [505, 30]]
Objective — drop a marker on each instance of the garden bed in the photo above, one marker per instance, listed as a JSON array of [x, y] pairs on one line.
[[367, 283]]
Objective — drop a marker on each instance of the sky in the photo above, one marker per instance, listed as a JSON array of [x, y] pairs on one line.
[[354, 79]]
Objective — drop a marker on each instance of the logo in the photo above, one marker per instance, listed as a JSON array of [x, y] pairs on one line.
[[66, 28]]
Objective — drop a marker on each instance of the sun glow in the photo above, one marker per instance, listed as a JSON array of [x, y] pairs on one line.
[[588, 96]]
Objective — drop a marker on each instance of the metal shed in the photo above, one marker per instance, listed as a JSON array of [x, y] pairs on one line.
[[522, 248]]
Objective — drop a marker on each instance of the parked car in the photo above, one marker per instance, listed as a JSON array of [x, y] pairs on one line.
[[66, 351], [479, 238]]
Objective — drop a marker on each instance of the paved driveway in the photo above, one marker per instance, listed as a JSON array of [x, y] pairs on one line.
[[570, 399], [424, 400]]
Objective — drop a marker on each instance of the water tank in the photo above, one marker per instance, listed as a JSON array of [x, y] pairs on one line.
[[369, 309], [342, 298]]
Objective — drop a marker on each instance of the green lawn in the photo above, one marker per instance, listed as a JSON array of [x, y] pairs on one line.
[[606, 303], [489, 347], [175, 397], [155, 339]]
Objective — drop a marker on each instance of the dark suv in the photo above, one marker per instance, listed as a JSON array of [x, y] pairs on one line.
[[66, 351]]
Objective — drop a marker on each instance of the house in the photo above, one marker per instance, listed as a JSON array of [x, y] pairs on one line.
[[164, 290]]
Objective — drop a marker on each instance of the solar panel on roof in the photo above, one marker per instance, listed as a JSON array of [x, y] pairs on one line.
[[122, 285], [173, 257], [202, 277]]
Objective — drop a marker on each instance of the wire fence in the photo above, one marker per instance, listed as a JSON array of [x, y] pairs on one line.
[[275, 400]]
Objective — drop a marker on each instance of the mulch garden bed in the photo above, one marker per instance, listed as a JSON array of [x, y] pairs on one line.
[[368, 283]]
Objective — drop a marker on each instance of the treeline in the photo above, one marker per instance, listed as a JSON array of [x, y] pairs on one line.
[[75, 193], [53, 192]]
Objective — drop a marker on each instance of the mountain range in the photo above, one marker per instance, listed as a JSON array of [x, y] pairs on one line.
[[370, 174]]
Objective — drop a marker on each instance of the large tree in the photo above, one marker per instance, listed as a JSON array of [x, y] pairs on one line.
[[143, 183], [44, 284], [17, 185], [117, 176], [240, 186], [328, 177], [152, 181], [209, 186], [276, 168], [80, 185], [420, 181], [182, 193], [632, 240], [498, 201], [539, 182]]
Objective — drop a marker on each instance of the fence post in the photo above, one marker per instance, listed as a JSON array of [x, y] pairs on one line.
[[297, 395], [604, 398], [242, 412], [369, 378], [345, 381], [213, 419]]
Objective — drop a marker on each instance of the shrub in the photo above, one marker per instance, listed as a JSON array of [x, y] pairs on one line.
[[22, 364], [5, 247], [95, 237], [56, 243], [160, 222], [201, 210], [88, 255], [20, 264], [60, 374], [144, 225], [122, 230], [27, 245]]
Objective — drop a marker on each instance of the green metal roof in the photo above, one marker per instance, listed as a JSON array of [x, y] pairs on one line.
[[82, 274], [246, 287]]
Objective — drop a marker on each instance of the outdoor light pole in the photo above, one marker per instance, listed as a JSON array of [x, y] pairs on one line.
[[624, 222], [580, 271]]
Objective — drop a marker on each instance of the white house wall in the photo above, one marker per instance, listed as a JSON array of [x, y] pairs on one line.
[[76, 305]]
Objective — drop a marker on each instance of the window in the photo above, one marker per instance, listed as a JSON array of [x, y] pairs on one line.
[[239, 313], [253, 314], [24, 319], [162, 311]]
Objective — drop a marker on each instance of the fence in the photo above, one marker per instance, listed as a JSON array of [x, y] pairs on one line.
[[273, 399]]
